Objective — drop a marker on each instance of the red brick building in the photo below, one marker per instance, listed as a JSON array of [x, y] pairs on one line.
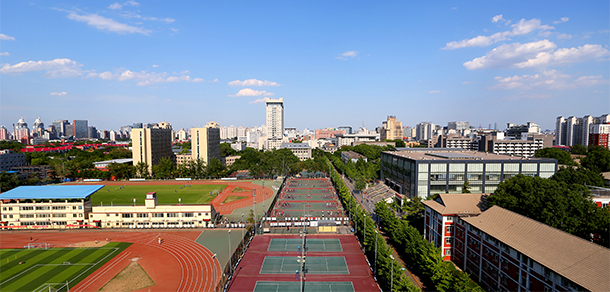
[[598, 135]]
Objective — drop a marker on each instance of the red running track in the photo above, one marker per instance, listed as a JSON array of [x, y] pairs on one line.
[[177, 264]]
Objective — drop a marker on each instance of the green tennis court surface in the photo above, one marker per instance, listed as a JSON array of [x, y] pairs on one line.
[[314, 197], [313, 265], [292, 244], [267, 286], [50, 269]]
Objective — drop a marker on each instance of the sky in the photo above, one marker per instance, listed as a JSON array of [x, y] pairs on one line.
[[335, 63]]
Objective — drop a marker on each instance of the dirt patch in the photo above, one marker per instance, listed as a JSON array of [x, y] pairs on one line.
[[96, 243], [133, 277], [233, 199]]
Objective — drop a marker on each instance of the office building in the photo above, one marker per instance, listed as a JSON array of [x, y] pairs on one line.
[[428, 171], [347, 129], [515, 131], [10, 159], [150, 145], [60, 127], [205, 142], [21, 132], [80, 129], [38, 128], [458, 126], [495, 142], [391, 129], [328, 133], [275, 123]]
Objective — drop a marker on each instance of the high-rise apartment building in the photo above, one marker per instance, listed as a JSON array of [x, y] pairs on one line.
[[391, 129], [424, 131], [205, 142], [516, 131], [4, 135], [572, 130], [151, 145], [275, 123], [21, 132]]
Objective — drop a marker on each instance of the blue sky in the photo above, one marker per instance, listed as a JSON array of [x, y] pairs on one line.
[[334, 62]]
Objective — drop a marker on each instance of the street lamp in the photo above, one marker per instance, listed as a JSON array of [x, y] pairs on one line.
[[242, 229], [229, 250], [214, 269], [375, 269], [392, 274]]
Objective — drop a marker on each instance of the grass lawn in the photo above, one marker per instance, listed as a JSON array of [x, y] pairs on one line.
[[50, 269], [233, 198], [166, 194]]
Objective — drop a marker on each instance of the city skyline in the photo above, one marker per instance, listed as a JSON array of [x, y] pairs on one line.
[[342, 63]]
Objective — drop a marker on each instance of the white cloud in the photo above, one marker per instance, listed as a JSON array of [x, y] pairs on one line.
[[253, 82], [155, 66], [53, 69], [142, 78], [251, 92], [508, 54], [434, 91], [348, 54], [468, 82], [546, 80], [497, 18], [5, 54], [132, 3], [59, 93], [215, 80], [260, 100], [520, 28], [103, 23], [563, 19], [564, 36], [565, 56], [115, 6], [6, 37]]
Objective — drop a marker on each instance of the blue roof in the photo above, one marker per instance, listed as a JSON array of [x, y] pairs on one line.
[[50, 192]]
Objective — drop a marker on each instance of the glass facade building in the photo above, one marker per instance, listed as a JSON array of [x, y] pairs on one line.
[[428, 171]]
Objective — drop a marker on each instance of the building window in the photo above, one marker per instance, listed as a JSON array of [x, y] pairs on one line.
[[449, 229], [188, 215], [448, 240], [142, 215], [172, 215], [157, 215], [127, 215], [448, 252]]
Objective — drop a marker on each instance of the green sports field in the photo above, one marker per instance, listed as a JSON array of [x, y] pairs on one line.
[[268, 286], [166, 194], [50, 269], [313, 265]]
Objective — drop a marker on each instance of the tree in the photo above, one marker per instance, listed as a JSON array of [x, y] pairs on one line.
[[227, 150], [400, 143], [466, 188], [165, 168], [8, 181], [360, 184], [215, 168], [578, 149], [141, 169], [579, 175], [562, 157], [567, 207], [597, 159]]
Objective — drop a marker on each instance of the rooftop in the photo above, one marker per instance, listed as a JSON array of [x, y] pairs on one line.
[[458, 204], [50, 192], [448, 154], [294, 145], [584, 263]]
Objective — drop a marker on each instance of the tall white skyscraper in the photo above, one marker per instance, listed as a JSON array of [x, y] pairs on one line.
[[275, 123]]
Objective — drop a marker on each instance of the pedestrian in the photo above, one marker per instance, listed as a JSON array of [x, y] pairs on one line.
[[30, 238], [159, 240]]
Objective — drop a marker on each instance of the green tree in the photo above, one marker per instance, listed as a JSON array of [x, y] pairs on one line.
[[562, 157], [165, 168], [578, 149], [215, 168], [8, 181], [579, 175], [597, 159], [141, 169], [400, 143], [227, 150], [466, 187]]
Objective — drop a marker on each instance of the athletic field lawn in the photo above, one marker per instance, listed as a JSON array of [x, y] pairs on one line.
[[166, 194], [41, 268]]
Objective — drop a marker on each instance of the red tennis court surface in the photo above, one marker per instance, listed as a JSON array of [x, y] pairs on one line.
[[177, 264], [248, 272]]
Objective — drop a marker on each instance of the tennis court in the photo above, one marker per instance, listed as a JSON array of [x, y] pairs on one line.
[[270, 286], [308, 197], [308, 206], [303, 191], [312, 244], [313, 265]]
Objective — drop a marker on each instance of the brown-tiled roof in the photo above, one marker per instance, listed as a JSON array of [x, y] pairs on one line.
[[459, 204], [584, 263]]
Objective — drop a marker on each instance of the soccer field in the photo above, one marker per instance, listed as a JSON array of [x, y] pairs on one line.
[[166, 194], [52, 269]]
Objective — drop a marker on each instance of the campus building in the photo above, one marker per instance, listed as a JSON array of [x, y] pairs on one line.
[[352, 156], [428, 171], [300, 150], [152, 215], [275, 123], [443, 211], [205, 142], [504, 251], [598, 135], [46, 206], [10, 159], [150, 145]]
